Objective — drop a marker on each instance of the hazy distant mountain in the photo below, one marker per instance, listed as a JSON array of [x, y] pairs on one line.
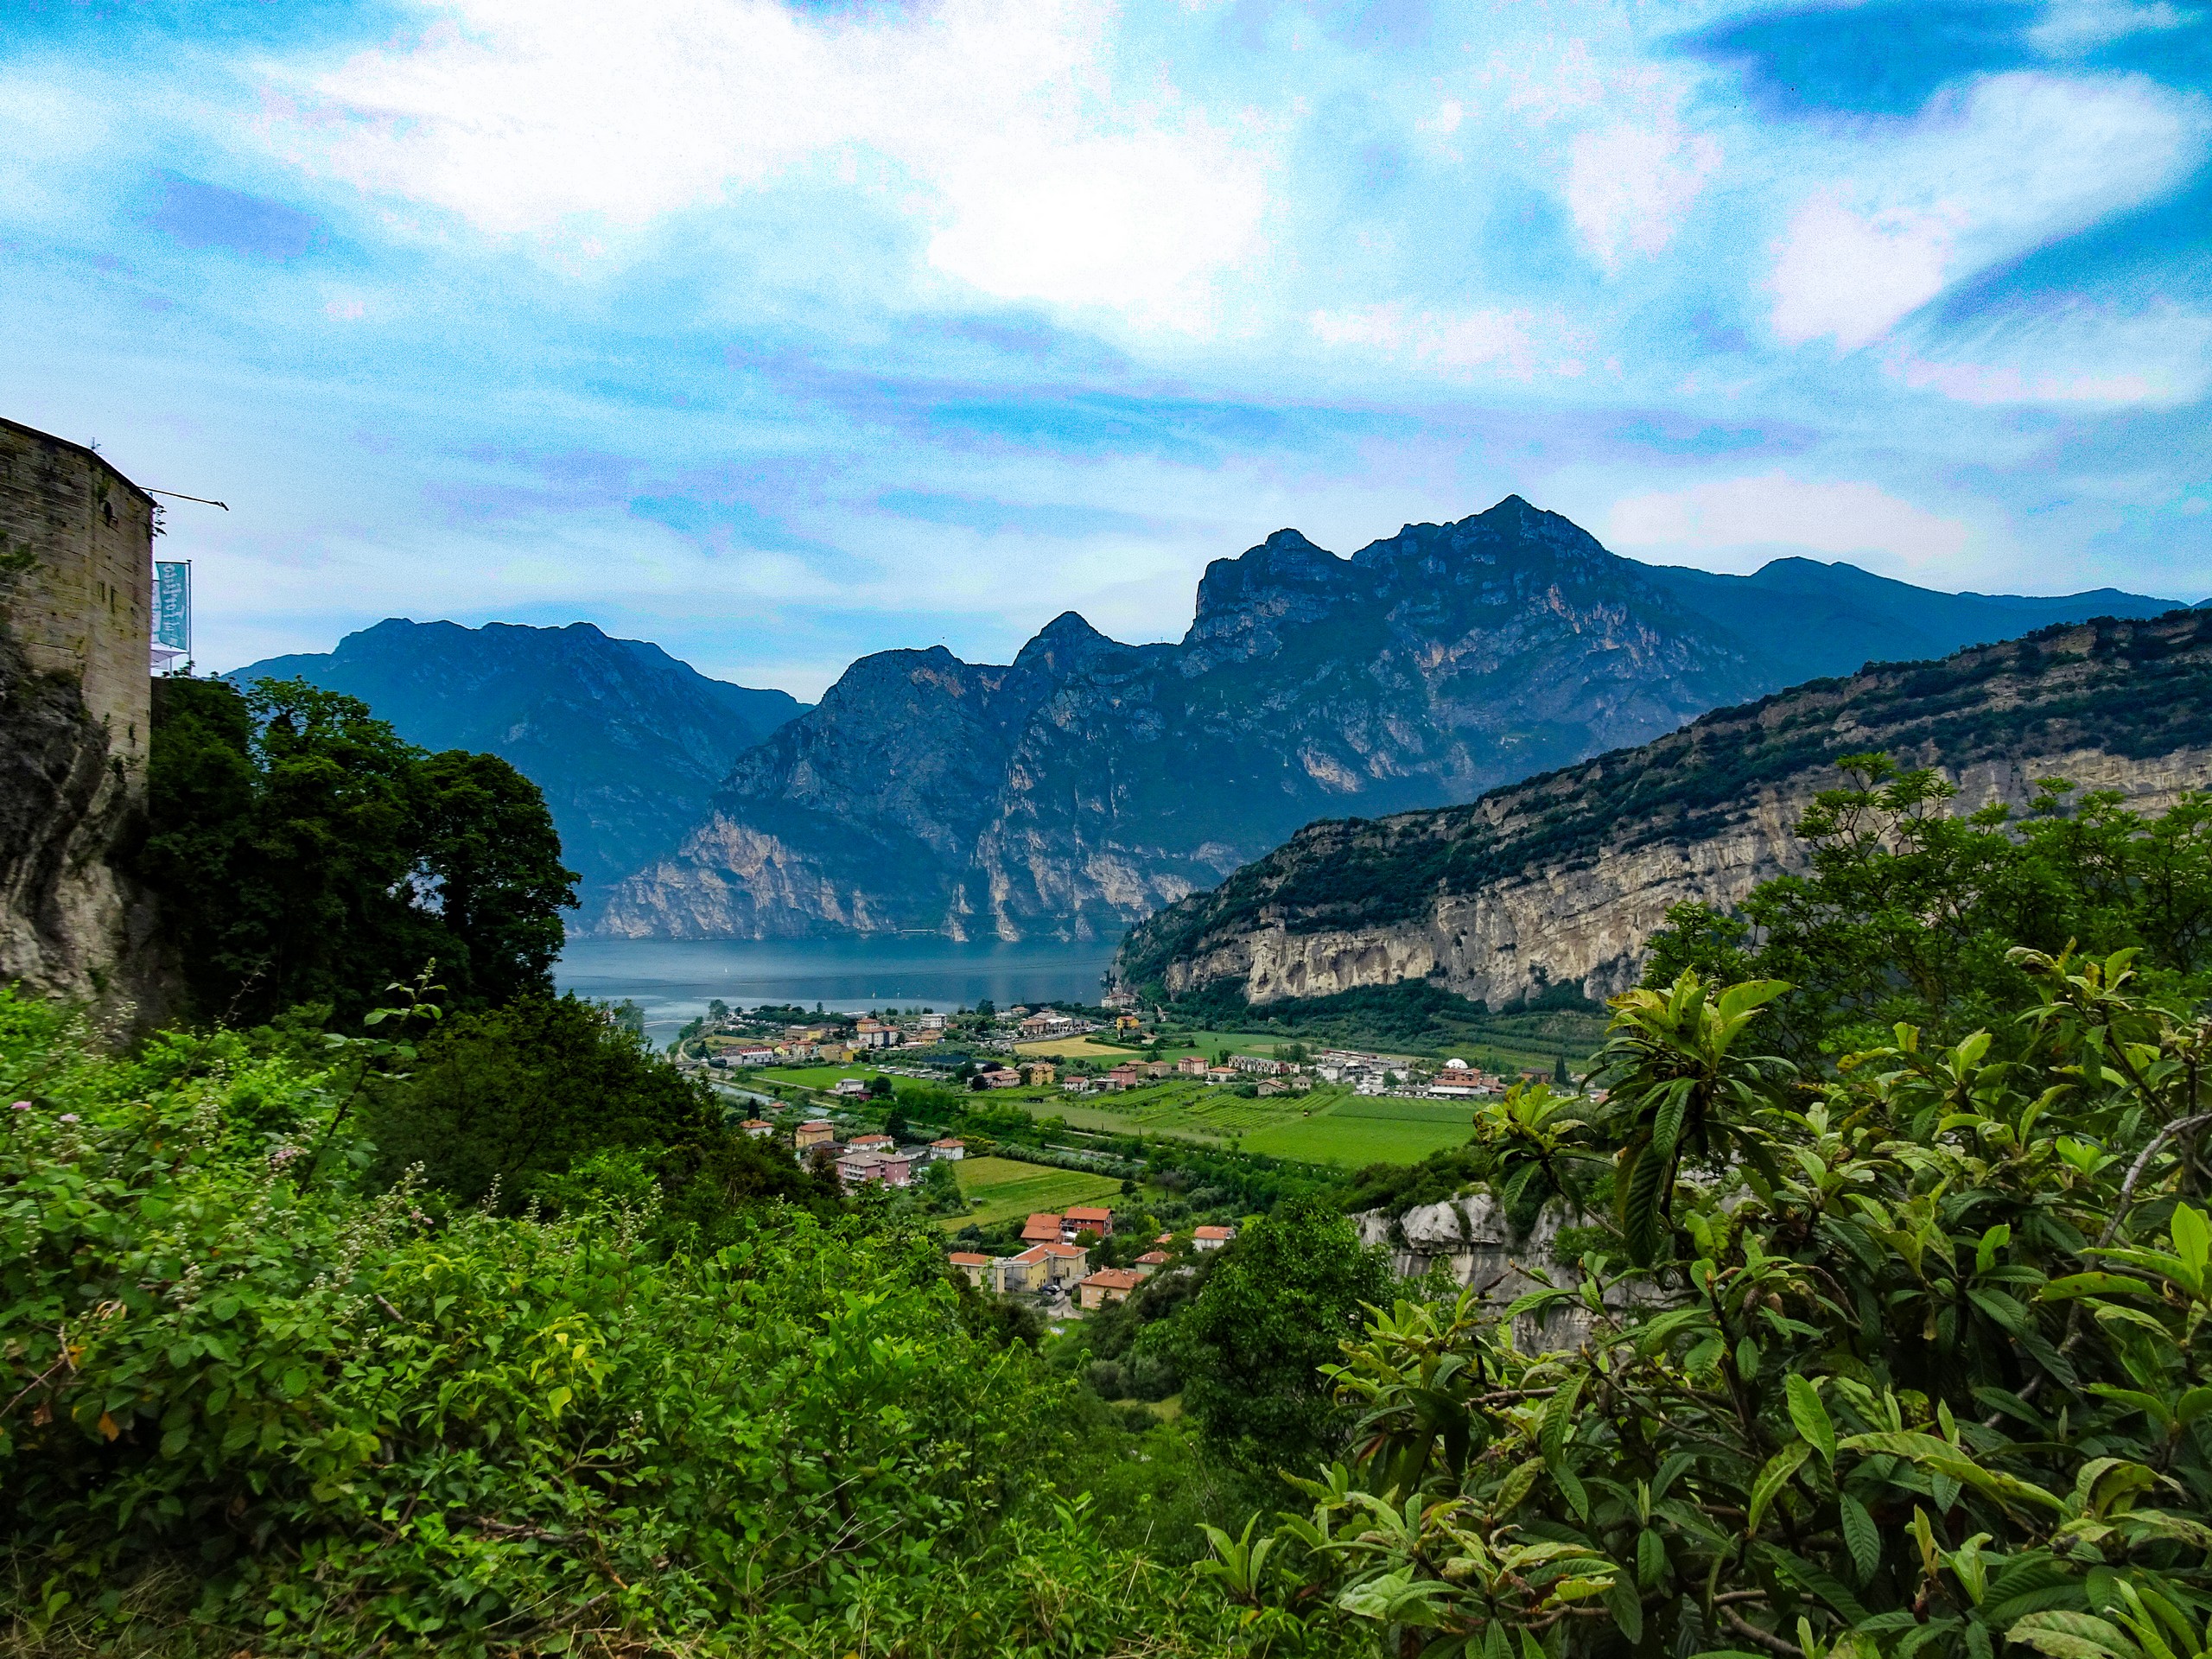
[[627, 742], [1089, 783]]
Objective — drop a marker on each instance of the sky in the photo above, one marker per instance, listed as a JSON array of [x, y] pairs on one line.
[[782, 331]]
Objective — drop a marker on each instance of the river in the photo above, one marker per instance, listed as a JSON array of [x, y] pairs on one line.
[[672, 979]]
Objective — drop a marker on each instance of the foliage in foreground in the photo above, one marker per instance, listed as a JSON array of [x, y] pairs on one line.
[[251, 1408], [1912, 1360]]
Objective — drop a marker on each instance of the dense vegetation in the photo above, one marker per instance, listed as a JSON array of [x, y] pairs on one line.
[[1903, 1353], [303, 853], [260, 1399], [1888, 1336]]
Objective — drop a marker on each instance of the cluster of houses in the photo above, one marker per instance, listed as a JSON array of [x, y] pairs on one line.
[[865, 1158], [1054, 1264], [838, 1043]]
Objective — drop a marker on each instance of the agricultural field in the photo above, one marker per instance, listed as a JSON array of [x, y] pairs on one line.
[[1356, 1130], [1206, 1043], [1328, 1125], [1010, 1188]]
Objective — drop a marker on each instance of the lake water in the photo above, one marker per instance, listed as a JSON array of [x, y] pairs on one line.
[[673, 979]]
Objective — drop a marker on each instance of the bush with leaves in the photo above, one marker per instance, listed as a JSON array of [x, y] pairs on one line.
[[1911, 1359], [250, 1407]]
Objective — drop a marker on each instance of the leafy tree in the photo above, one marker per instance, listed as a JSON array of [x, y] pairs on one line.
[[511, 1097], [1912, 1358], [1276, 1308], [301, 853], [1910, 909]]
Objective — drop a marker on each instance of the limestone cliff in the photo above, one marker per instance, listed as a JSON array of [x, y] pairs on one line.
[[1561, 880], [1087, 784]]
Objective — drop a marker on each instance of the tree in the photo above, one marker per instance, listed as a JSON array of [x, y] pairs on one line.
[[1276, 1308], [300, 852], [513, 1097], [1910, 909], [486, 841]]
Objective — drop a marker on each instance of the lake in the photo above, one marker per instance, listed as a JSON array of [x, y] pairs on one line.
[[672, 979]]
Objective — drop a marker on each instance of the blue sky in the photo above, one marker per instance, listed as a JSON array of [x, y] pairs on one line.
[[779, 332]]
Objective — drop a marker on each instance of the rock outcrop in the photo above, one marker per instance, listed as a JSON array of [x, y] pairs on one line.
[[71, 924], [1561, 880]]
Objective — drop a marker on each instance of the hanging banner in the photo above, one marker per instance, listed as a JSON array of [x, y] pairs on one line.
[[173, 605]]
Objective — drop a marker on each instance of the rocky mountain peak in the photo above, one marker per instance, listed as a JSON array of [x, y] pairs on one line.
[[1063, 645]]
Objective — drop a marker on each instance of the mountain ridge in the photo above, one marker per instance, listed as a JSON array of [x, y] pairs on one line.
[[627, 742], [1088, 783], [1560, 879]]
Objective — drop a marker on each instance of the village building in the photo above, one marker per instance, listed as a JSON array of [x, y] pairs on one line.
[[752, 1055], [1211, 1238], [871, 1143], [1000, 1076], [1085, 1218], [1066, 1264], [758, 1128], [1274, 1086], [1191, 1065], [977, 1267], [871, 1034], [1011, 1275], [1038, 1072], [1152, 1262], [1218, 1074], [931, 1022], [1050, 1023], [949, 1150], [1107, 1285], [818, 1132], [1255, 1065], [857, 1169], [851, 1087], [1042, 1227]]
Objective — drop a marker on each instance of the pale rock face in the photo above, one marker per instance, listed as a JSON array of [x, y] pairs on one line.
[[1581, 866], [1589, 925]]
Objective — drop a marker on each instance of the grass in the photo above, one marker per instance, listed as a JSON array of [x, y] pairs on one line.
[[1010, 1188]]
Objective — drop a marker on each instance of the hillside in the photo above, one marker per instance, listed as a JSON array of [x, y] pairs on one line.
[[627, 742], [1559, 880], [1083, 786]]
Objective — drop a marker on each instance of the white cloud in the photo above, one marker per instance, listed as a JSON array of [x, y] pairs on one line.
[[1777, 513], [543, 117], [2084, 354], [1517, 344], [2017, 161], [1628, 186]]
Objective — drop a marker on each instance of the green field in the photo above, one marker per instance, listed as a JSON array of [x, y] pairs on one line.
[[1010, 1188], [1353, 1131]]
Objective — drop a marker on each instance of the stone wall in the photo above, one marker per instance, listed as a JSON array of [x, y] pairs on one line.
[[76, 706], [84, 605]]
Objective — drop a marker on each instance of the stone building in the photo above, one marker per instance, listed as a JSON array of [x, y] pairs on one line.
[[76, 551], [76, 705]]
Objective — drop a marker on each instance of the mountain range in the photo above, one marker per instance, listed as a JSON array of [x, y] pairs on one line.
[[1087, 784], [627, 743], [1558, 881]]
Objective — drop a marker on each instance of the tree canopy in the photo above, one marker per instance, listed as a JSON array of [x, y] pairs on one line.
[[301, 853]]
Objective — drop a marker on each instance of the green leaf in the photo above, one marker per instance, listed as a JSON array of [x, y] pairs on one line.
[[2073, 1636], [2093, 1284], [2192, 1237], [1771, 1481], [1861, 1537], [1810, 1415], [1559, 1419]]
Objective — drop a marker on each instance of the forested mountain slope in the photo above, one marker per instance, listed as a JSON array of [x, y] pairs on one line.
[[1561, 880], [1087, 784], [627, 742]]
